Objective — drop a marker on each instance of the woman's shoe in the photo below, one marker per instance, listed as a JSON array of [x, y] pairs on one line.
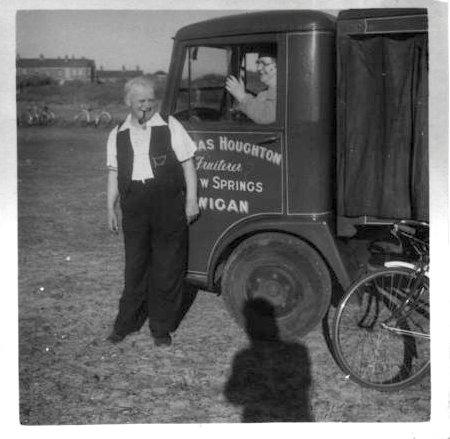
[[164, 340]]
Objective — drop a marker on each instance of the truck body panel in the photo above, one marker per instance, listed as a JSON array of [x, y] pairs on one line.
[[310, 122], [329, 159], [316, 230], [240, 176], [382, 115], [249, 170]]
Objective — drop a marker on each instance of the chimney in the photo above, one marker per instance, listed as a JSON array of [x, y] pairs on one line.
[[41, 56], [66, 57], [123, 68]]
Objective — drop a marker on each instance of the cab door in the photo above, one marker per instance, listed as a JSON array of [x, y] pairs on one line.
[[239, 160]]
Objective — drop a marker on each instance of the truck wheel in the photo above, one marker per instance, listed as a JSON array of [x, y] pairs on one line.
[[286, 272]]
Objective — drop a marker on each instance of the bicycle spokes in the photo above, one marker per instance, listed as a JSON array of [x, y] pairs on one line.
[[381, 329]]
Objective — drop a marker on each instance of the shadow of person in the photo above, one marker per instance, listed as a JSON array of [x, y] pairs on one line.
[[271, 378]]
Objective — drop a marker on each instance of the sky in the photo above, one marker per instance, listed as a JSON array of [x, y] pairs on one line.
[[111, 38]]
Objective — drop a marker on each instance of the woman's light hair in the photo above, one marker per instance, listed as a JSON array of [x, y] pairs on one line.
[[132, 84]]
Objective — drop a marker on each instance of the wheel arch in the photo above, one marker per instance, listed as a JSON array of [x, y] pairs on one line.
[[316, 234]]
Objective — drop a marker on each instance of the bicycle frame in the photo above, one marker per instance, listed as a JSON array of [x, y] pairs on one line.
[[401, 233], [416, 291]]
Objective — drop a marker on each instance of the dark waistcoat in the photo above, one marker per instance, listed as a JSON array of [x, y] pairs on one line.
[[167, 170]]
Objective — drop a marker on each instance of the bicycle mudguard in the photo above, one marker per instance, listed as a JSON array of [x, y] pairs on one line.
[[390, 264]]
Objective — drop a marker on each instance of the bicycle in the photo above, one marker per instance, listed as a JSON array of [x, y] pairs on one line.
[[84, 116], [35, 116], [90, 117], [46, 116], [102, 118], [31, 116], [380, 334]]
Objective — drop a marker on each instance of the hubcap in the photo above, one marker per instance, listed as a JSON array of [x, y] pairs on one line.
[[275, 285]]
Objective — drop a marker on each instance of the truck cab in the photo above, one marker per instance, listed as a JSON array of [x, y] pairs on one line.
[[268, 188]]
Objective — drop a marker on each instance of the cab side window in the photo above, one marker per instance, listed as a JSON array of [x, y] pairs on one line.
[[201, 95], [233, 83]]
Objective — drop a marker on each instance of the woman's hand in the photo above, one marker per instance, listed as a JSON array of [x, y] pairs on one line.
[[192, 210], [113, 220], [235, 87]]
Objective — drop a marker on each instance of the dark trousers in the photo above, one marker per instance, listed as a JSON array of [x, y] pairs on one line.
[[155, 234]]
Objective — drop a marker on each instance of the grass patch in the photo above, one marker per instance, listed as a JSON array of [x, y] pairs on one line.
[[74, 93]]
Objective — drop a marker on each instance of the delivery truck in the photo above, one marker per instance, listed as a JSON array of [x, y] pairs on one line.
[[347, 149]]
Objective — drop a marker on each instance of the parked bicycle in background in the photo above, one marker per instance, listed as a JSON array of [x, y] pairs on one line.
[[31, 116], [46, 116], [90, 117], [35, 116]]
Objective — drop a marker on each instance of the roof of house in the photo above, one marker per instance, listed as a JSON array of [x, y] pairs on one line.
[[55, 62], [259, 22]]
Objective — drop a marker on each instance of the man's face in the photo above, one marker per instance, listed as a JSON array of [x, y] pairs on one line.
[[267, 69], [142, 102]]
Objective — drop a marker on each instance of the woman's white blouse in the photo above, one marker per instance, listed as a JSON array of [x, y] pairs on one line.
[[182, 145]]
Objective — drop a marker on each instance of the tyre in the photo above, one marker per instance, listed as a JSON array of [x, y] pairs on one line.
[[29, 120], [378, 341], [82, 119], [43, 119], [51, 120], [287, 273], [104, 119]]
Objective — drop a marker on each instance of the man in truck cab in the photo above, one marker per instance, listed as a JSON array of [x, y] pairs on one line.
[[262, 107]]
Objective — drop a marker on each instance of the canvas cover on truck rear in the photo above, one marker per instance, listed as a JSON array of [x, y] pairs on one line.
[[382, 121]]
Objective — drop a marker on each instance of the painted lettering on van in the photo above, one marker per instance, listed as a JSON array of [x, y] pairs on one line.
[[241, 147], [238, 177], [222, 205], [236, 185], [251, 149], [205, 145], [203, 164]]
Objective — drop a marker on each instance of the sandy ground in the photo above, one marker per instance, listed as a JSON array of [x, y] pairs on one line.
[[70, 277]]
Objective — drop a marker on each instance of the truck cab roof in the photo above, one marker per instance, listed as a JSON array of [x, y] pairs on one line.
[[357, 14], [259, 22]]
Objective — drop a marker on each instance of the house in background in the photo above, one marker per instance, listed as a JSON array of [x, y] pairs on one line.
[[60, 69], [104, 76]]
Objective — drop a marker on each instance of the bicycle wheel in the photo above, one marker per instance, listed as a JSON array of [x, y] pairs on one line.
[[51, 118], [43, 119], [379, 340], [82, 119], [29, 120], [104, 118]]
